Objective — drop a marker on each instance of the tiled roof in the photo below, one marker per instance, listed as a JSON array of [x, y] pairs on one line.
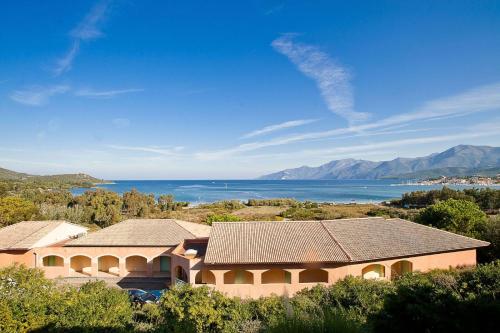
[[272, 242], [143, 232], [345, 240], [24, 235]]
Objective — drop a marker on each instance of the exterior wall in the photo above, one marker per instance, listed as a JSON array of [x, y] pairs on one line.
[[335, 272], [8, 258], [133, 267]]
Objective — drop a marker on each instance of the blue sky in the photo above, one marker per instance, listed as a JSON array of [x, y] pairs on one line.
[[216, 89]]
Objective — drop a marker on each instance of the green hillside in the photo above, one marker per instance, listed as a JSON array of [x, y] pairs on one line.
[[76, 179]]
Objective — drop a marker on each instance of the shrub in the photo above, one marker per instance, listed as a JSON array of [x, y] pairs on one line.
[[273, 202], [15, 209], [443, 301], [189, 309], [459, 216], [228, 205], [211, 218], [93, 306], [28, 296]]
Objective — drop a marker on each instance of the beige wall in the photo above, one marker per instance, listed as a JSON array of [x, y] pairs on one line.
[[8, 258], [130, 260], [309, 274]]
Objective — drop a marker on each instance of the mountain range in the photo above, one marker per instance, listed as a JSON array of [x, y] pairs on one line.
[[462, 160]]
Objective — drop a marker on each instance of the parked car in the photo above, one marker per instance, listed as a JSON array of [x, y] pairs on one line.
[[134, 294], [147, 298], [157, 293]]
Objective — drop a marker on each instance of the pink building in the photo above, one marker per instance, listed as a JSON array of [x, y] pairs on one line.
[[246, 259]]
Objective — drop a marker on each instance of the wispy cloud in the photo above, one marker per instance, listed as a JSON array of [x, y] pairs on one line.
[[278, 127], [88, 29], [38, 95], [150, 149], [402, 143], [105, 94], [481, 99], [275, 9], [121, 122], [332, 79]]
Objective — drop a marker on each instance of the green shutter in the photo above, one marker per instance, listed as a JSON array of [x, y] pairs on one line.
[[288, 277], [164, 264], [52, 260]]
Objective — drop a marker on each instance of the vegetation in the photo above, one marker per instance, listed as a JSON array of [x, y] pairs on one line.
[[462, 300], [15, 209], [458, 216], [487, 199], [221, 218], [31, 303], [456, 300]]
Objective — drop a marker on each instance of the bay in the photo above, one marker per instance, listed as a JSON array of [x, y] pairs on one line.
[[205, 191]]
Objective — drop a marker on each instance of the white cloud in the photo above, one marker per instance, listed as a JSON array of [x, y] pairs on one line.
[[38, 95], [278, 127], [481, 99], [88, 29], [121, 122], [332, 79], [400, 143], [150, 149], [105, 94]]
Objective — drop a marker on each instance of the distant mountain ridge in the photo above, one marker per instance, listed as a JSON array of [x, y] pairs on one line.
[[462, 160]]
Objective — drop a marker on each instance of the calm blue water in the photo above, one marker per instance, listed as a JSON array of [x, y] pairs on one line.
[[202, 191]]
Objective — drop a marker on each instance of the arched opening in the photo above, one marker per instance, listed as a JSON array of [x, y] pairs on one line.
[[276, 276], [401, 267], [53, 261], [136, 265], [108, 265], [374, 271], [238, 276], [204, 277], [161, 266], [180, 275], [81, 265], [313, 275]]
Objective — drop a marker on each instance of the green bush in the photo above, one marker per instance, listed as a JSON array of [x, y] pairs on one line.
[[31, 303], [443, 301], [187, 309], [458, 216], [211, 218], [273, 202], [15, 209], [92, 306]]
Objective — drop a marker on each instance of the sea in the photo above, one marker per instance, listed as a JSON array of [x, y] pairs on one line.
[[335, 191]]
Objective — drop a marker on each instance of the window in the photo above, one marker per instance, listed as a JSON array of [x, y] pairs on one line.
[[53, 261], [164, 264]]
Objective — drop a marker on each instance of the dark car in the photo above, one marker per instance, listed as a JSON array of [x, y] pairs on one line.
[[134, 294], [147, 298], [157, 293]]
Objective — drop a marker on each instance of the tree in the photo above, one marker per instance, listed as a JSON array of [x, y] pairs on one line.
[[199, 309], [92, 306], [221, 218], [458, 216], [28, 296], [138, 204], [103, 207], [16, 209]]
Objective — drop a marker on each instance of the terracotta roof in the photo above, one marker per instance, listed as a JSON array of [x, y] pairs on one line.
[[272, 242], [24, 235], [344, 240], [143, 232]]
